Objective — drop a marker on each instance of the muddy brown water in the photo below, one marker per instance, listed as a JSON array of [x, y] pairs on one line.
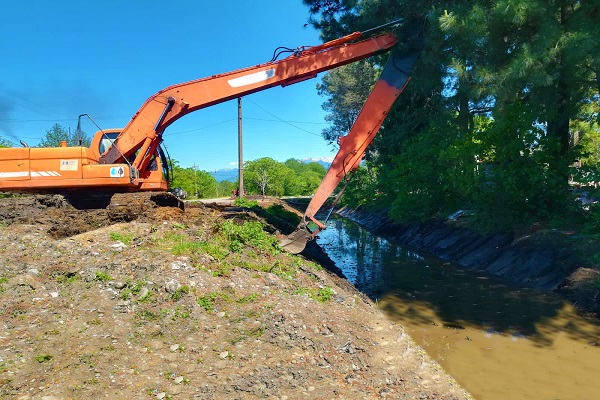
[[497, 340]]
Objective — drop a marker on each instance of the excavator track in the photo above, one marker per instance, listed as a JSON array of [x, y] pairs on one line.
[[65, 220], [128, 206]]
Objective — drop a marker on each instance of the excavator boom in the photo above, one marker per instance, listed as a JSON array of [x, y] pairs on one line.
[[172, 103]]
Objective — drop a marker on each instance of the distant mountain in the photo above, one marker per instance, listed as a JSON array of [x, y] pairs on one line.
[[226, 174], [324, 161], [231, 174]]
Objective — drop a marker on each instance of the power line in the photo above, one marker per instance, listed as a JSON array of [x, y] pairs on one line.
[[199, 129], [286, 122], [280, 120]]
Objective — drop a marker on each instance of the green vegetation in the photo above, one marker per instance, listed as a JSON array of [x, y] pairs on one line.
[[503, 103], [57, 134], [321, 295], [2, 280], [131, 290], [5, 142], [180, 292], [102, 277], [64, 277], [277, 210], [125, 238], [247, 299], [245, 202], [42, 358], [249, 233], [196, 183], [263, 176], [268, 177], [211, 300]]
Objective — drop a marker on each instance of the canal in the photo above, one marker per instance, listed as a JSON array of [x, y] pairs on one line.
[[497, 340]]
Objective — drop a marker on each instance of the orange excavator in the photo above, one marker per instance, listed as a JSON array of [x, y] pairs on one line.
[[132, 159]]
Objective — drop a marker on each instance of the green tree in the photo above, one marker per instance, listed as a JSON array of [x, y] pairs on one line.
[[5, 143], [490, 117], [265, 176], [57, 134], [347, 89], [303, 178], [226, 188], [197, 184]]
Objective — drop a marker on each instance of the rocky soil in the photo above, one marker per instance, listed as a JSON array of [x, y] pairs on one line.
[[153, 303]]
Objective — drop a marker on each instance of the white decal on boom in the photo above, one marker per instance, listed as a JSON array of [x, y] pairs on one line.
[[252, 78]]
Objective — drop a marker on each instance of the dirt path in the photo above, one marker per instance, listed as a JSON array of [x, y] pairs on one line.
[[169, 306]]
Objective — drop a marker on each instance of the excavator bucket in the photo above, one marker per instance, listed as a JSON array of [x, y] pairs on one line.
[[296, 241]]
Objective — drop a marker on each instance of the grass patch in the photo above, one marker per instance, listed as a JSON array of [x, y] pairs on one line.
[[247, 299], [211, 300], [124, 238], [131, 289], [277, 210], [179, 292], [2, 280], [322, 295], [145, 316], [102, 276], [42, 358], [246, 203], [249, 233]]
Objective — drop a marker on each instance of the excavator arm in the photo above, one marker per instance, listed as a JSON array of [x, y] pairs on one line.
[[392, 81], [143, 132]]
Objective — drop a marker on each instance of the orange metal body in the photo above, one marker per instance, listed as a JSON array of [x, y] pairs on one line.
[[129, 159]]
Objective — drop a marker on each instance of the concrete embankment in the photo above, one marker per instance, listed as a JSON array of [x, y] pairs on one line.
[[533, 260]]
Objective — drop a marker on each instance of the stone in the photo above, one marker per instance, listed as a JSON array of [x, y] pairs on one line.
[[119, 285], [144, 292], [172, 286]]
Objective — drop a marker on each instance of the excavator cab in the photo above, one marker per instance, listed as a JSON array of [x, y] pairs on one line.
[[106, 140]]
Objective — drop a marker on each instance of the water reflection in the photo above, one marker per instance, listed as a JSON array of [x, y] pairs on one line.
[[499, 341]]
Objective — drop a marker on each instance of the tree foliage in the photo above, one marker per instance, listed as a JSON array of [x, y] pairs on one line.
[[196, 183], [55, 135], [503, 100], [347, 87], [5, 143], [268, 177]]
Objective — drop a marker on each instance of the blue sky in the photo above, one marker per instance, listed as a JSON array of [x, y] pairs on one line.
[[105, 58]]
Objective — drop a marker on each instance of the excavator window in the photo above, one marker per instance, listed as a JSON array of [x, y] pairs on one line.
[[165, 164], [107, 141]]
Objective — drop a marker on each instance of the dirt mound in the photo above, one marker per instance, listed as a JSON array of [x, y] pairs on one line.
[[64, 220], [178, 304]]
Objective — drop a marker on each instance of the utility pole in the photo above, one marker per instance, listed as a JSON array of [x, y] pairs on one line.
[[240, 155], [217, 189], [195, 181]]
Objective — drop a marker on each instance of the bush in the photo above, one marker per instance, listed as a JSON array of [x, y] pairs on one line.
[[246, 203], [249, 233]]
